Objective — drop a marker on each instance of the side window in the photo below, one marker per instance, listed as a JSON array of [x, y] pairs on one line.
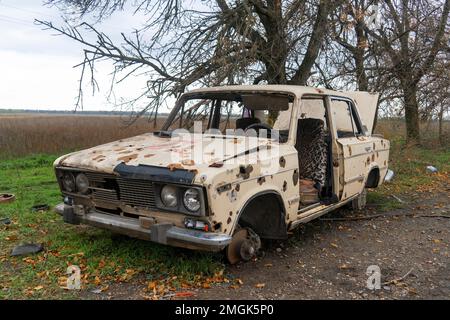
[[313, 108], [343, 116]]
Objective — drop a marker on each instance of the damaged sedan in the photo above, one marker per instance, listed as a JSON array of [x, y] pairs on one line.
[[231, 165]]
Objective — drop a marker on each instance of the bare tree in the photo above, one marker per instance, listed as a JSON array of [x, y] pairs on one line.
[[412, 36], [222, 42]]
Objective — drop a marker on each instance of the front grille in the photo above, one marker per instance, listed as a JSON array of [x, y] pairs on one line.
[[132, 192], [138, 193]]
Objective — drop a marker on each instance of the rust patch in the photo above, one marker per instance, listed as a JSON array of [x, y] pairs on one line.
[[216, 165], [125, 152], [98, 157], [261, 180], [175, 166], [128, 158], [188, 162], [119, 149], [149, 155], [319, 90]]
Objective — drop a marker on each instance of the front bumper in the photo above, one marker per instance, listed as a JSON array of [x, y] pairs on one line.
[[164, 233]]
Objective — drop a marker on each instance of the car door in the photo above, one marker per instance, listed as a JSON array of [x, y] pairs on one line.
[[354, 146]]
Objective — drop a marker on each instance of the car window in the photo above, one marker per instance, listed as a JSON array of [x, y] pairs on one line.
[[343, 118], [313, 108]]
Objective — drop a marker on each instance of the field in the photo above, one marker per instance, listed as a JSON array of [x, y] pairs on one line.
[[29, 145], [24, 134]]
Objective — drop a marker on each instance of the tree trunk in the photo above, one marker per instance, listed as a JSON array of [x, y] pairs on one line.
[[441, 120], [411, 114]]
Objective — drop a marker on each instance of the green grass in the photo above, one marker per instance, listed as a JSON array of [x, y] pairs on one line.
[[411, 176], [102, 256], [106, 258]]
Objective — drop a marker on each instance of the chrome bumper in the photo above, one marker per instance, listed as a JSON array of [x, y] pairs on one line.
[[163, 233]]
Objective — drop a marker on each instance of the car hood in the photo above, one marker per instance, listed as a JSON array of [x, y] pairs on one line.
[[194, 152]]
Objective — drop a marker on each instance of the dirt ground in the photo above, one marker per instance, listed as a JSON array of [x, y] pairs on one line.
[[328, 259]]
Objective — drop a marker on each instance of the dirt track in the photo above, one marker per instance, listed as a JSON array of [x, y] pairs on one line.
[[328, 259]]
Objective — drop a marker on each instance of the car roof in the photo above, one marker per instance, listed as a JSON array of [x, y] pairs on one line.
[[298, 91]]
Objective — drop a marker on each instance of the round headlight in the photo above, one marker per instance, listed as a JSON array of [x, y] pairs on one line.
[[169, 196], [82, 183], [191, 199], [68, 182]]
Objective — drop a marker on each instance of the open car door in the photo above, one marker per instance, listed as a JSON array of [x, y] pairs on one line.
[[367, 105]]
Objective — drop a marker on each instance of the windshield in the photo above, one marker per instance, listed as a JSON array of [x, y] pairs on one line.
[[233, 113]]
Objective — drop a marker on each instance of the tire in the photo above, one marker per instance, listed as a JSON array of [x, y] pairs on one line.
[[360, 202]]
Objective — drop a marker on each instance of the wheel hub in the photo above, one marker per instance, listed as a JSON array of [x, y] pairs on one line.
[[244, 245]]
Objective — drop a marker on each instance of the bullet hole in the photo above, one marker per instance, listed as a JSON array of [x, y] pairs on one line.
[[282, 162], [295, 177]]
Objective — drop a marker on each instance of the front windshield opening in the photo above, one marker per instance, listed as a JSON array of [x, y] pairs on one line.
[[266, 114]]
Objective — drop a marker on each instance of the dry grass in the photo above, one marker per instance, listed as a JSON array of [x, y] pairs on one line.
[[394, 130], [56, 134]]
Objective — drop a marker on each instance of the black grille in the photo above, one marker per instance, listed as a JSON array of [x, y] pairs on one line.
[[132, 192], [138, 193]]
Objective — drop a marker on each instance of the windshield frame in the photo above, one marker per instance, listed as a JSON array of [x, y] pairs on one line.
[[218, 95]]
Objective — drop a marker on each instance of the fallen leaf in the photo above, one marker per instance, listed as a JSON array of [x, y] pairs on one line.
[[38, 288], [334, 245], [260, 285], [184, 294], [240, 281], [151, 285], [268, 265]]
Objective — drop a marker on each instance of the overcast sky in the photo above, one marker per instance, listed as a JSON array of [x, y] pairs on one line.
[[36, 67]]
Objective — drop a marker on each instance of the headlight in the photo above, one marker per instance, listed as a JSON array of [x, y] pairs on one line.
[[169, 196], [191, 199], [68, 182], [82, 183]]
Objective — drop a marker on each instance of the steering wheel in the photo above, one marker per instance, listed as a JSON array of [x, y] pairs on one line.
[[258, 126]]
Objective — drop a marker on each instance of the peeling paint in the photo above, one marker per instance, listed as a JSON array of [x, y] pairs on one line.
[[128, 158]]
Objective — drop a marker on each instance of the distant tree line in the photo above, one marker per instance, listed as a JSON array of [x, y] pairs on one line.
[[400, 48]]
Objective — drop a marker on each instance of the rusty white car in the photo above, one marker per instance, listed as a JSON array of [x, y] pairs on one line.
[[231, 165]]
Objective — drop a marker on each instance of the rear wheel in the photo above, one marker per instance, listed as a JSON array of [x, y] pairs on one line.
[[244, 245]]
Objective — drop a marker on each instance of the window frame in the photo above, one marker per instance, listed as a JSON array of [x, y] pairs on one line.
[[353, 115]]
